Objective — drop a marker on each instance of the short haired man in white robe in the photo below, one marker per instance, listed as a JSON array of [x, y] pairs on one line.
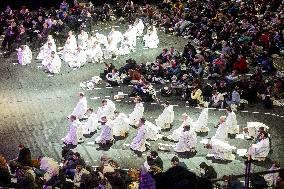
[[79, 60]]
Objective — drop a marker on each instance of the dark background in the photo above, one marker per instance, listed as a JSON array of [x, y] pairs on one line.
[[34, 4]]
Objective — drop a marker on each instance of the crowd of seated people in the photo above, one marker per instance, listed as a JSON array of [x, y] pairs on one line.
[[73, 172]]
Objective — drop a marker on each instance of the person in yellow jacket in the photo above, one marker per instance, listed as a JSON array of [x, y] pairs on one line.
[[196, 96]]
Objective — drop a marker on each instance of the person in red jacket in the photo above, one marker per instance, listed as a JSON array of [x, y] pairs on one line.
[[241, 65]]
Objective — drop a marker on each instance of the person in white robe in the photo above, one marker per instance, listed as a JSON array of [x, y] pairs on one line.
[[139, 26], [222, 130], [47, 48], [253, 129], [167, 117], [137, 113], [71, 137], [83, 40], [81, 107], [120, 124], [231, 121], [151, 39], [92, 124], [218, 143], [79, 59], [153, 131], [68, 53], [106, 135], [52, 63], [177, 132], [24, 55], [102, 39], [130, 34], [139, 141], [107, 109], [200, 125], [124, 48], [95, 53], [114, 38], [187, 141], [261, 149]]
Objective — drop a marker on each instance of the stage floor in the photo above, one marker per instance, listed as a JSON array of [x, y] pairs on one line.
[[34, 107]]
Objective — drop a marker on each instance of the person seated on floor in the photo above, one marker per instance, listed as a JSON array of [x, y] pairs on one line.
[[261, 149], [52, 63], [176, 162], [24, 55], [207, 171], [113, 78], [217, 100], [153, 160], [79, 59], [241, 64]]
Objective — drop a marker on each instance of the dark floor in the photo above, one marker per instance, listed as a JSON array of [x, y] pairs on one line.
[[34, 106]]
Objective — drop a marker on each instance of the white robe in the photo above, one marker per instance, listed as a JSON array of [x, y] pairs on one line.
[[114, 38], [107, 110], [71, 137], [102, 39], [53, 65], [131, 37], [166, 118], [231, 121], [187, 141], [137, 114], [151, 39], [152, 131], [201, 124], [260, 149], [91, 125], [79, 60], [177, 132], [139, 142], [95, 54], [81, 108], [125, 49], [120, 125], [68, 53], [140, 27], [221, 132], [24, 56], [222, 150], [45, 51], [105, 135], [83, 40]]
